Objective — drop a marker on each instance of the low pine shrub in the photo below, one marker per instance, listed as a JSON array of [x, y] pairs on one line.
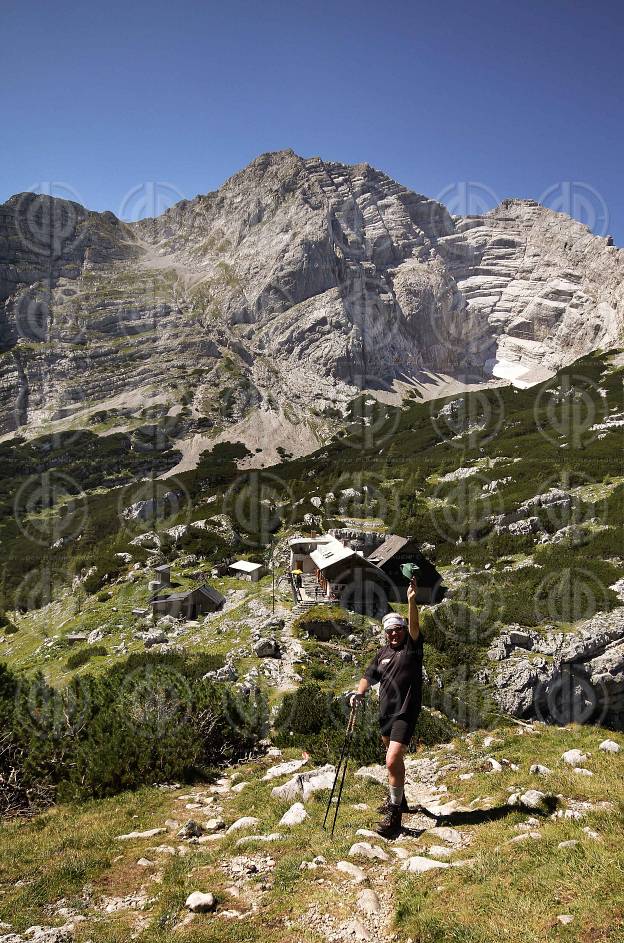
[[315, 720], [149, 719], [83, 655]]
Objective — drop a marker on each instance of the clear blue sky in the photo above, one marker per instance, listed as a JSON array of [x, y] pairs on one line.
[[514, 99]]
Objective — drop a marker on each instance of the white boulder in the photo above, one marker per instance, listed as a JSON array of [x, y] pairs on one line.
[[283, 769], [247, 821], [199, 903], [295, 815], [417, 864], [365, 850], [357, 875], [574, 757], [609, 746]]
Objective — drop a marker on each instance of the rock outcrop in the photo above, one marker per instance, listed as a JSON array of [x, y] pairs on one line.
[[565, 677]]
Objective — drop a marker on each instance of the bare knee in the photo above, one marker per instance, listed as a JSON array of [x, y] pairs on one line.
[[394, 759]]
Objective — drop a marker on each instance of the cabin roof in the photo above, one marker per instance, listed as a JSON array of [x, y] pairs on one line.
[[388, 549], [209, 591], [246, 566], [332, 553]]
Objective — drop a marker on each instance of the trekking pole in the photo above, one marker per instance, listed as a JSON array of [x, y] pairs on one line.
[[344, 755]]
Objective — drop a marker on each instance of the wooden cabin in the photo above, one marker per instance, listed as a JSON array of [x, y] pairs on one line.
[[189, 604], [393, 553]]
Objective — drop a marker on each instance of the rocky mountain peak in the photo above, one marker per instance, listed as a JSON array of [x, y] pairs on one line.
[[295, 284]]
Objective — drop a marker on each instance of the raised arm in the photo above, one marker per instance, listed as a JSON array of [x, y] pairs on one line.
[[412, 609]]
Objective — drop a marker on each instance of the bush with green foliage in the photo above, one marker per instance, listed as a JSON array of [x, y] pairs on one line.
[[83, 655], [149, 719], [315, 720], [6, 625]]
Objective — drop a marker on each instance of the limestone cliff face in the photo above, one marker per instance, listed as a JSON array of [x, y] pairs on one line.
[[539, 284], [294, 284]]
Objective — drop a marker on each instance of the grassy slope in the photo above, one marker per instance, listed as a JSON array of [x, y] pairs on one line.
[[24, 651], [68, 856]]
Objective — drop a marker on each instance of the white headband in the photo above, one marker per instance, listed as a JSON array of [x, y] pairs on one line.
[[393, 620]]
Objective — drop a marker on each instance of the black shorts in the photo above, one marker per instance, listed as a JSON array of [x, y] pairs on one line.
[[399, 727]]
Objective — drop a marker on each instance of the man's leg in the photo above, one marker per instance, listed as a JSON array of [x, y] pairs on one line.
[[390, 826], [395, 765]]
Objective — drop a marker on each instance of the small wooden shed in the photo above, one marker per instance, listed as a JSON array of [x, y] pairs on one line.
[[245, 570], [190, 604]]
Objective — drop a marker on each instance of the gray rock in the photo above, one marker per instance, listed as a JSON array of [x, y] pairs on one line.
[[247, 821], [524, 837], [38, 934], [200, 903], [251, 839], [267, 648], [368, 901], [364, 849], [305, 784], [447, 834], [531, 799], [192, 829], [609, 746], [155, 638], [574, 757], [588, 663], [283, 769], [324, 779], [357, 875], [418, 864], [538, 770], [440, 851], [295, 815], [150, 833]]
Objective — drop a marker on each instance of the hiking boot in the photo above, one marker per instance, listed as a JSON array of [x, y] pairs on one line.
[[390, 826], [386, 805]]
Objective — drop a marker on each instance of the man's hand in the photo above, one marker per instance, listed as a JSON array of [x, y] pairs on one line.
[[412, 589], [356, 699]]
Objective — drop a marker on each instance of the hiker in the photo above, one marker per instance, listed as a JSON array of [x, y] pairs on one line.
[[398, 669]]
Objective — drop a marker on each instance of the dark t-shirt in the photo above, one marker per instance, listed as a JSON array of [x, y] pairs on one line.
[[399, 674]]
